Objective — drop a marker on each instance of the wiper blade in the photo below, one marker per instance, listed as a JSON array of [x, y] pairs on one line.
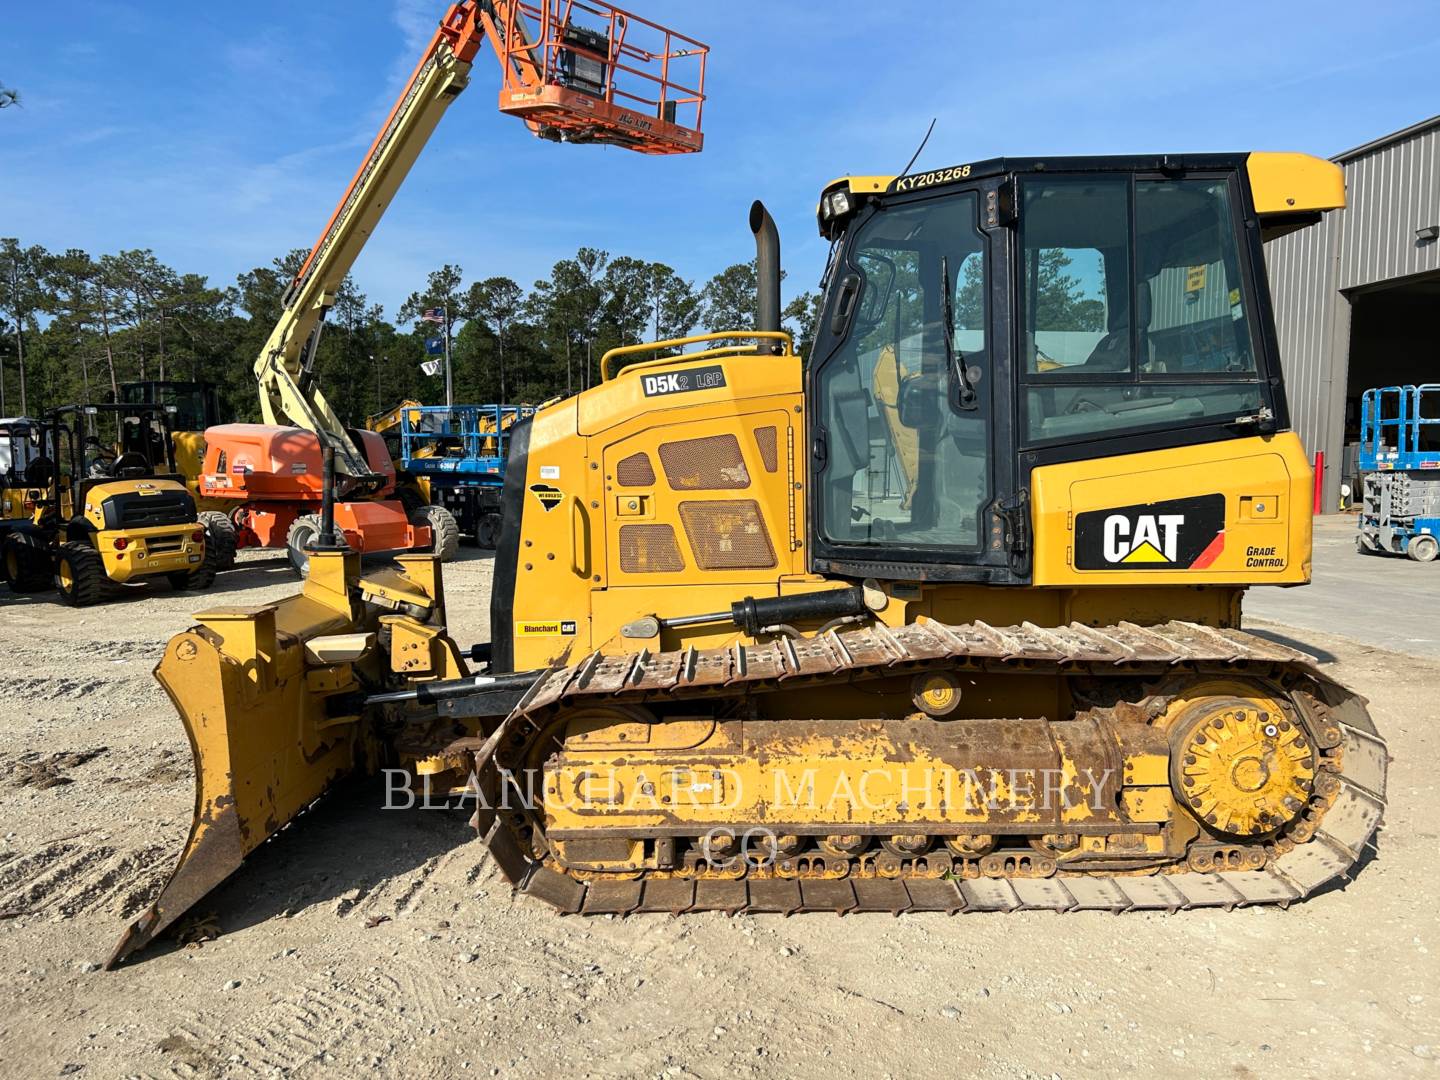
[[957, 374]]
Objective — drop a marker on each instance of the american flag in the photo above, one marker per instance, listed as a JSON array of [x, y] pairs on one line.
[[433, 314]]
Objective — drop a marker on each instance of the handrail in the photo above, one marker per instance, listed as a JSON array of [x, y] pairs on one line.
[[536, 56], [694, 339]]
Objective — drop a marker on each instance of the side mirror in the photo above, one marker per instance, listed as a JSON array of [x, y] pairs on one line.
[[879, 280], [918, 402]]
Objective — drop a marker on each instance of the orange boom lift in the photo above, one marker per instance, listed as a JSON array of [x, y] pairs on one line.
[[574, 72]]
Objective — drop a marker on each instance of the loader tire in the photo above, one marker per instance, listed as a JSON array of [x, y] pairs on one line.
[[80, 574], [26, 565], [219, 538], [304, 531], [411, 500], [444, 532]]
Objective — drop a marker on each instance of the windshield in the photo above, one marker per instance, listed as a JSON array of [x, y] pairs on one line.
[[907, 465], [1132, 307], [194, 402]]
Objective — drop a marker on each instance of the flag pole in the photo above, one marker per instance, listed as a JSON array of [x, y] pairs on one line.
[[449, 384]]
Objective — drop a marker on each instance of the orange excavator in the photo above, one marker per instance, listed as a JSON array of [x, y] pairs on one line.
[[574, 72]]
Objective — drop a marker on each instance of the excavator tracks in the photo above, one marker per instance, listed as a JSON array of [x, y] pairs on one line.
[[1320, 846]]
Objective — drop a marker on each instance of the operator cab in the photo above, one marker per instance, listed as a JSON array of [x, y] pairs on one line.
[[191, 406], [987, 319]]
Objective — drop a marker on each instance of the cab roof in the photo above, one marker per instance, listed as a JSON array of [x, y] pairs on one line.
[[1280, 183]]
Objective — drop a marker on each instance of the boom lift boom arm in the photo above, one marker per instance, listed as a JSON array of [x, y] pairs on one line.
[[540, 51]]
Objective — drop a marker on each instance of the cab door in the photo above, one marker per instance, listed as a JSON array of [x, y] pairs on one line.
[[909, 457]]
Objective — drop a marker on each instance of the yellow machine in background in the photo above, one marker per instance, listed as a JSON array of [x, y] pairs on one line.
[[116, 519], [193, 408], [20, 478], [388, 424], [945, 616]]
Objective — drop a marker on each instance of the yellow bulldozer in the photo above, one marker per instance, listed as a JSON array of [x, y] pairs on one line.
[[945, 615]]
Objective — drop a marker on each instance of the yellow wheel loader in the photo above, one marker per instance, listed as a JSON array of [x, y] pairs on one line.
[[24, 466], [98, 519], [944, 616]]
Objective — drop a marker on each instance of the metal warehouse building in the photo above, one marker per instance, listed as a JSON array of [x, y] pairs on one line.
[[1356, 295]]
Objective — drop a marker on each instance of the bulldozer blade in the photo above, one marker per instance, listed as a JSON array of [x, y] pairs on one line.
[[263, 745]]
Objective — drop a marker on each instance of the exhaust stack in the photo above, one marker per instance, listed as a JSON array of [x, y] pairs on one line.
[[767, 270]]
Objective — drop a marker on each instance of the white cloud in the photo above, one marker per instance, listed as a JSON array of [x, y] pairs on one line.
[[417, 21]]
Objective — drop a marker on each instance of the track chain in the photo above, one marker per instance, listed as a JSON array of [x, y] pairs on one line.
[[1320, 847]]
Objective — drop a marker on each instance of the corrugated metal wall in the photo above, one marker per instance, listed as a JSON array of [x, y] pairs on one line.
[[1174, 302], [1302, 288], [1392, 188], [1391, 192]]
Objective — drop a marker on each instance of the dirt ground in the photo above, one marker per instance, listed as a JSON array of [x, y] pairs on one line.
[[367, 939]]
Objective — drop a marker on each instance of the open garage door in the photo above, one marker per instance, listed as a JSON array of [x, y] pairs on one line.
[[1392, 343]]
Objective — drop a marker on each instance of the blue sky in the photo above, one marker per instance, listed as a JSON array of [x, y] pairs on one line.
[[222, 135]]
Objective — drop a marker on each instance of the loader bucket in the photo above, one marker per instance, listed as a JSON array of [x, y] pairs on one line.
[[257, 710]]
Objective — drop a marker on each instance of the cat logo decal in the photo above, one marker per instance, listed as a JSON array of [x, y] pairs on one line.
[[1178, 534]]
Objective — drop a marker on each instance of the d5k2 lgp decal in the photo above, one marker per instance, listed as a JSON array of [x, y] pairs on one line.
[[1178, 534], [709, 377]]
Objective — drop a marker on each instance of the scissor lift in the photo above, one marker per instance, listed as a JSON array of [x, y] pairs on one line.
[[460, 451], [1399, 460]]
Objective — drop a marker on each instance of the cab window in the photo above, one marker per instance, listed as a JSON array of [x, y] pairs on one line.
[[905, 467], [1133, 308]]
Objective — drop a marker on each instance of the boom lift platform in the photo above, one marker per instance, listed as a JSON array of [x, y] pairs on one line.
[[1400, 460], [621, 80]]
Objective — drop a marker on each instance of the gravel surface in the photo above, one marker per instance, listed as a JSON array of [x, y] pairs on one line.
[[365, 939]]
